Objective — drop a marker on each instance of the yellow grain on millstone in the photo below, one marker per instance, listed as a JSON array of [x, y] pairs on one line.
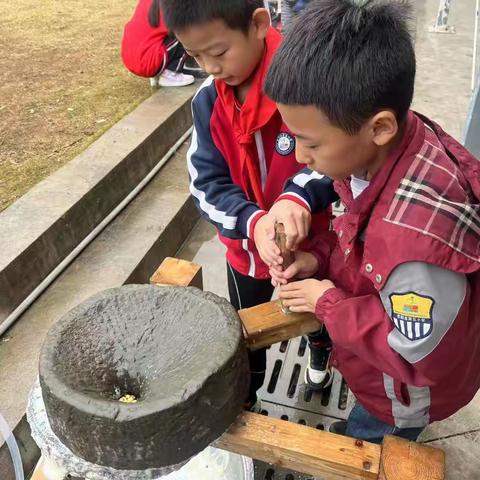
[[128, 399]]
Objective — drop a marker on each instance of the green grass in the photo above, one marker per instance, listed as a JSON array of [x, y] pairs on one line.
[[62, 84]]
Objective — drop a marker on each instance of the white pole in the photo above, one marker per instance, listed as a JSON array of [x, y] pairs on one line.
[[475, 44]]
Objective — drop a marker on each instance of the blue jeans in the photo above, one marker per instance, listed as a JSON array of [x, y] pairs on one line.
[[364, 426]]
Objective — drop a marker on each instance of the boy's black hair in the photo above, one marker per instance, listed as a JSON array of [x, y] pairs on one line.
[[154, 14], [351, 60], [181, 14]]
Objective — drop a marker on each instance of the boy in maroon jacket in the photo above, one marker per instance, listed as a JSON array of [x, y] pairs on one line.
[[242, 155], [398, 281]]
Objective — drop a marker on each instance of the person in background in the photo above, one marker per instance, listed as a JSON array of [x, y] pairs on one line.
[[149, 50]]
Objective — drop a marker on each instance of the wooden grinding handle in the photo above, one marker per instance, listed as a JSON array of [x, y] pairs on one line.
[[287, 255], [281, 241]]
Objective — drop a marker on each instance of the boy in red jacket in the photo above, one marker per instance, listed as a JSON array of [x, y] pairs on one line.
[[398, 282], [242, 154], [148, 50]]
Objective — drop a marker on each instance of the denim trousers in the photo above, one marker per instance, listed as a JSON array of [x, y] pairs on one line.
[[364, 426]]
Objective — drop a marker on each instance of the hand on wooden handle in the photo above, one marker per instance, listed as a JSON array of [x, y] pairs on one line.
[[287, 255], [281, 241]]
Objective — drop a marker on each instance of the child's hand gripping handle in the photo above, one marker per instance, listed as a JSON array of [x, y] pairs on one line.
[[288, 256]]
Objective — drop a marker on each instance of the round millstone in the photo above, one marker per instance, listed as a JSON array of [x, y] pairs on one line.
[[176, 355]]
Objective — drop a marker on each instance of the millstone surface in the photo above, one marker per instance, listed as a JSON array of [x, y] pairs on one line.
[[178, 351]]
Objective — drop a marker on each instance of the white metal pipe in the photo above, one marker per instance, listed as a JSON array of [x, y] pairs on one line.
[[475, 43], [47, 281]]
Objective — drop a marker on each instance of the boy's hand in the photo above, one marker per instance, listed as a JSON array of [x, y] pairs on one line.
[[264, 237], [295, 218], [303, 296], [304, 266]]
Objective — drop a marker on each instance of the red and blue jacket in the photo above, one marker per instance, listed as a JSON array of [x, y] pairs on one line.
[[222, 189]]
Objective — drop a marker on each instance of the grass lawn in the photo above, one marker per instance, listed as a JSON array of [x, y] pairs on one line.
[[62, 84]]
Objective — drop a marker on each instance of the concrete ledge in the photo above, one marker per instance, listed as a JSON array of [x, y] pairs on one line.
[[129, 250], [39, 230]]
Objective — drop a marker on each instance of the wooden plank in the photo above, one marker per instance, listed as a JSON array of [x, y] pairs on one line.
[[402, 460], [38, 473], [301, 448], [267, 324], [46, 469], [176, 272]]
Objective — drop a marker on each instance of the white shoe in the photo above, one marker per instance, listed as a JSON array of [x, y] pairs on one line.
[[174, 79], [318, 379]]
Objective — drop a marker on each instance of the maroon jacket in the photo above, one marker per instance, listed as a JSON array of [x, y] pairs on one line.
[[405, 314]]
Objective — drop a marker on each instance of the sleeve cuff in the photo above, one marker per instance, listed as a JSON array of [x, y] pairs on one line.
[[253, 220], [326, 304], [295, 197]]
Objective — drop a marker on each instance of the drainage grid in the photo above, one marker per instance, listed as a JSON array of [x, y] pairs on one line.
[[285, 396]]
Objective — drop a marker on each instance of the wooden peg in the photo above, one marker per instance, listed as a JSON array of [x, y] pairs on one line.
[[281, 241], [287, 255]]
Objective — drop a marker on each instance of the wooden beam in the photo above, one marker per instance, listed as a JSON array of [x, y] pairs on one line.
[[38, 475], [176, 272], [403, 460], [301, 448], [267, 324], [47, 470]]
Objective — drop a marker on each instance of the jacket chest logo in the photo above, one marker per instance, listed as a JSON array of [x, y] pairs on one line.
[[412, 314], [285, 144]]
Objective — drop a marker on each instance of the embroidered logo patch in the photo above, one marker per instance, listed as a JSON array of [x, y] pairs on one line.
[[285, 144], [412, 314]]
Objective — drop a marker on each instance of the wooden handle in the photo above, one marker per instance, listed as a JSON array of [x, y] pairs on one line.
[[287, 255], [281, 241]]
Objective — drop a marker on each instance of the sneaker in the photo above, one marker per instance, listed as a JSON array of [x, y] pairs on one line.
[[174, 79], [317, 379], [340, 427]]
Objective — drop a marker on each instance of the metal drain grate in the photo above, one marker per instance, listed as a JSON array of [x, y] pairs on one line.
[[285, 396], [284, 383]]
